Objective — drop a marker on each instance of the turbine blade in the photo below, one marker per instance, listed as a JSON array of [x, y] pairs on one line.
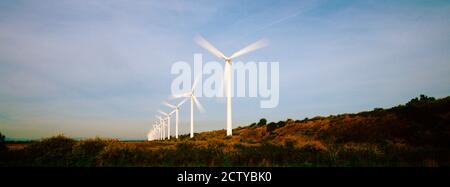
[[169, 105], [208, 46], [173, 111], [254, 46], [182, 102], [180, 95], [198, 105], [195, 84], [163, 113]]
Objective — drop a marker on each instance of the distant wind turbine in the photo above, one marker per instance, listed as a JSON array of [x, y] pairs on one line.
[[195, 102], [149, 135], [168, 121], [176, 109], [155, 130], [227, 70], [161, 126]]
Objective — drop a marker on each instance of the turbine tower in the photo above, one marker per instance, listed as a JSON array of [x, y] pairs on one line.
[[227, 70], [156, 127], [159, 131], [161, 127], [155, 130]]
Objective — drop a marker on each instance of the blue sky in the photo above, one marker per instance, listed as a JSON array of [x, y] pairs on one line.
[[102, 68]]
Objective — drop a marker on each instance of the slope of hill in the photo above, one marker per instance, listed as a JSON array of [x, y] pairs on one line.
[[415, 134]]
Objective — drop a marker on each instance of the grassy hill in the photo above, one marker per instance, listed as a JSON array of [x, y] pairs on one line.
[[414, 134]]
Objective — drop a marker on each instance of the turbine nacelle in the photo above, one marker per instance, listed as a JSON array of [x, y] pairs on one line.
[[213, 50], [191, 95]]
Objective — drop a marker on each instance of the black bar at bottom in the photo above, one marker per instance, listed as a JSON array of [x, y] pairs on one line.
[[227, 175]]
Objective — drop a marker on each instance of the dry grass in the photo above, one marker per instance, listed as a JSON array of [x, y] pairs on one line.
[[414, 135]]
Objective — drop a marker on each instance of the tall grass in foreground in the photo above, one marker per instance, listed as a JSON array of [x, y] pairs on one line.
[[415, 134]]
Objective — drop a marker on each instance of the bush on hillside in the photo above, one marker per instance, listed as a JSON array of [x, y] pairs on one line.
[[52, 151]]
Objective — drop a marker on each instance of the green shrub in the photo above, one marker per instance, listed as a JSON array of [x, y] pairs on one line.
[[271, 127], [52, 151], [85, 152], [116, 154], [422, 99], [262, 122]]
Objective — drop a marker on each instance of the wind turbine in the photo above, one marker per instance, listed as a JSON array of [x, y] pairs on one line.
[[195, 102], [161, 126], [157, 132], [168, 121], [227, 70], [176, 109], [154, 130], [158, 126], [149, 135]]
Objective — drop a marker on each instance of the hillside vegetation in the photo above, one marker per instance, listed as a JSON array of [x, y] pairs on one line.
[[414, 134]]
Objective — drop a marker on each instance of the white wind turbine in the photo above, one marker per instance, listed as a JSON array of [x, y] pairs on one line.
[[155, 130], [168, 121], [158, 133], [195, 102], [161, 126], [149, 135], [152, 135], [227, 70], [176, 109], [158, 126]]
